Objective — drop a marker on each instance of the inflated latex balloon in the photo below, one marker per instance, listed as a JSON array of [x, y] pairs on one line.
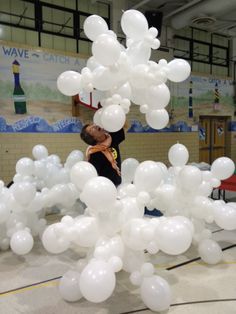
[[39, 152], [94, 26], [113, 118], [139, 76], [52, 243], [134, 24], [97, 117], [210, 251], [155, 293], [4, 212], [157, 119], [97, 281], [139, 53], [69, 286], [86, 231], [81, 172], [124, 91], [178, 155], [128, 167], [190, 177], [21, 242], [103, 78], [148, 176], [138, 95], [108, 44], [92, 63], [173, 236], [225, 216], [137, 233], [99, 193], [74, 157], [69, 83], [157, 96], [25, 166], [179, 70], [23, 192], [222, 168]]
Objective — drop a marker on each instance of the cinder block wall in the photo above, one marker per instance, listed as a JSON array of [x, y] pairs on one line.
[[152, 146]]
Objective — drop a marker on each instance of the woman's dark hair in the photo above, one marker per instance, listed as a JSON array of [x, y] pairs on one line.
[[86, 137]]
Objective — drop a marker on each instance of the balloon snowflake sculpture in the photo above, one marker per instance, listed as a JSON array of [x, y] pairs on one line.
[[113, 232], [37, 186], [125, 74]]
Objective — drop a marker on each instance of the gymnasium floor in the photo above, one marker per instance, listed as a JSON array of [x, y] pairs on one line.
[[28, 284]]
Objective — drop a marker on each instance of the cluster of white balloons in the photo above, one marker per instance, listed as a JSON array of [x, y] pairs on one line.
[[114, 233], [37, 186], [125, 74]]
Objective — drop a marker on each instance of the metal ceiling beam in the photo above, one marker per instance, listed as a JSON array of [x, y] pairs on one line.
[[140, 4], [182, 8]]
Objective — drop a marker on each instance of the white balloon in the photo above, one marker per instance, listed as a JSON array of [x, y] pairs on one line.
[[52, 243], [222, 168], [158, 96], [103, 79], [131, 209], [99, 193], [113, 118], [173, 236], [134, 24], [210, 251], [69, 83], [157, 119], [138, 95], [179, 70], [139, 76], [69, 286], [21, 242], [86, 231], [92, 63], [81, 172], [124, 90], [225, 216], [25, 166], [139, 53], [134, 234], [190, 177], [148, 176], [178, 155], [39, 152], [94, 26], [97, 117], [23, 192], [155, 293], [4, 212], [97, 281], [109, 45], [74, 157], [128, 167]]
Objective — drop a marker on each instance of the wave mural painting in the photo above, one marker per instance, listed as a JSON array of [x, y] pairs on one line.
[[31, 102]]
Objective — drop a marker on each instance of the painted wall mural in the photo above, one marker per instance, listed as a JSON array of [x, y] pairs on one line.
[[30, 101]]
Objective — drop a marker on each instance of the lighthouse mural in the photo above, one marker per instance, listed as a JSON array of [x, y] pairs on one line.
[[216, 104], [18, 93]]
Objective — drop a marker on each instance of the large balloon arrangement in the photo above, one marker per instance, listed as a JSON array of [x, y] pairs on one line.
[[125, 74], [113, 233]]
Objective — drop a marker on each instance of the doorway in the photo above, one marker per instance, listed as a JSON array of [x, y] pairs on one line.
[[212, 137]]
